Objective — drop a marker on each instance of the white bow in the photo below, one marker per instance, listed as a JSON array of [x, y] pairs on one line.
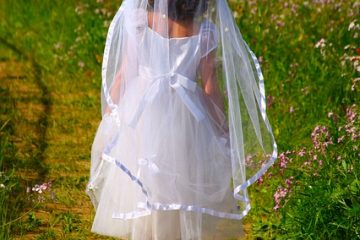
[[178, 82]]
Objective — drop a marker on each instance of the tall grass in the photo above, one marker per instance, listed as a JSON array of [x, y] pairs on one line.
[[50, 55], [309, 52], [310, 55], [10, 189]]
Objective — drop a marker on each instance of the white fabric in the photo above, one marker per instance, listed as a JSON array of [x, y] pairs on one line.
[[168, 159]]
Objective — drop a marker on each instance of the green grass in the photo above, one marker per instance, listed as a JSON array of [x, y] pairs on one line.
[[299, 77], [50, 64]]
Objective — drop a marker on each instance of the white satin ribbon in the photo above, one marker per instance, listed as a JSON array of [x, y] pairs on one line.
[[145, 208], [178, 82], [104, 67], [262, 106]]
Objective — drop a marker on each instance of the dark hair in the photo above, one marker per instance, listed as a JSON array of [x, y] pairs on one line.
[[183, 9]]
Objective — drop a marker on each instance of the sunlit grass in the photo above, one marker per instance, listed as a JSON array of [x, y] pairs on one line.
[[50, 63]]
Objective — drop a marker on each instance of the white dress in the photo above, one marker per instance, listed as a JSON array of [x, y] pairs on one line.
[[160, 168]]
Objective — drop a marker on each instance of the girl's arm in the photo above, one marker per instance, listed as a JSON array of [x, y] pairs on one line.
[[214, 98], [115, 87]]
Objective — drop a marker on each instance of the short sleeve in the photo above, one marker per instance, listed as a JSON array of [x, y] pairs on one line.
[[209, 37]]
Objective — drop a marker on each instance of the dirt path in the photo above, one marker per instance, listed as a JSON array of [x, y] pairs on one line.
[[54, 124]]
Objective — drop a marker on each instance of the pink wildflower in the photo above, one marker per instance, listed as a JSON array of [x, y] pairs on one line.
[[302, 152], [321, 138], [289, 181], [283, 160], [278, 196]]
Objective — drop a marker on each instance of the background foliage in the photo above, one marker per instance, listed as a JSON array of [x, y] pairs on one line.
[[50, 63]]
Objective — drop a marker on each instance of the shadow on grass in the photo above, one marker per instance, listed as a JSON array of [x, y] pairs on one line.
[[37, 156]]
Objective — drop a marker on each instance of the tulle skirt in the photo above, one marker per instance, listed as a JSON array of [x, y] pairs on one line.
[[158, 172]]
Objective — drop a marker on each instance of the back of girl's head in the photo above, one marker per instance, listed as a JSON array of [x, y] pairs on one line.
[[183, 9]]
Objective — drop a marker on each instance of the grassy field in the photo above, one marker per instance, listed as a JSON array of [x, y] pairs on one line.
[[50, 63]]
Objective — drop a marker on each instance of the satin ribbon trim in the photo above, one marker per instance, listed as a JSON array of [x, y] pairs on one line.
[[147, 207], [146, 210], [104, 66], [262, 106]]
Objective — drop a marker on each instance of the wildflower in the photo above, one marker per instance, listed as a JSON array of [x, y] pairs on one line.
[[260, 59], [277, 206], [260, 180], [294, 8], [106, 24], [340, 139], [306, 163], [291, 110], [288, 152], [305, 90], [40, 188], [2, 185], [79, 10], [248, 160], [58, 46], [321, 43], [235, 14], [283, 160], [280, 23], [321, 137], [353, 26], [270, 101], [350, 114], [302, 152], [354, 83], [81, 64], [289, 181], [278, 196]]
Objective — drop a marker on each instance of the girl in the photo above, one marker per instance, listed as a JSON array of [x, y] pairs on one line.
[[184, 129]]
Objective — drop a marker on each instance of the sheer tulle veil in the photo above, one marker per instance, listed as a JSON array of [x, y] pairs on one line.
[[239, 111]]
